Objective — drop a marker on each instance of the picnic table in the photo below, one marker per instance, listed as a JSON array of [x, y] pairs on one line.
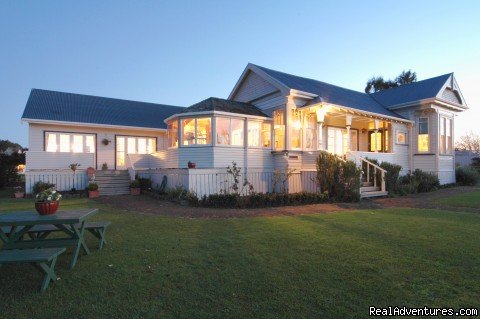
[[69, 223]]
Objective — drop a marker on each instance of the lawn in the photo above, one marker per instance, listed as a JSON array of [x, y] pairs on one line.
[[471, 199], [317, 266]]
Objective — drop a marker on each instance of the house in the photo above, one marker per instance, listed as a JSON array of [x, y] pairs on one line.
[[272, 121]]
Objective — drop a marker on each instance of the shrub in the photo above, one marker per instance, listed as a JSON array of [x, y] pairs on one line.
[[145, 183], [467, 176], [418, 182], [41, 186], [92, 187], [337, 178], [135, 183], [391, 176]]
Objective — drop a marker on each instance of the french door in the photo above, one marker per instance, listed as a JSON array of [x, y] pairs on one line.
[[132, 145], [338, 138]]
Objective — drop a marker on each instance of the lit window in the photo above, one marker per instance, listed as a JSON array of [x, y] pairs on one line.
[[296, 130], [64, 143], [223, 131], [237, 132], [131, 145], [279, 128], [142, 146], [196, 131], [120, 151], [310, 131], [89, 144], [173, 134], [378, 142], [423, 138], [267, 135], [401, 138], [337, 139], [152, 145], [445, 135], [254, 133], [77, 146], [51, 142]]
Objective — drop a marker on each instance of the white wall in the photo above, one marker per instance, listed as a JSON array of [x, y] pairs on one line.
[[105, 153]]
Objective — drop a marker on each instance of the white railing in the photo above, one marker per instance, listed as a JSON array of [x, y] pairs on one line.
[[361, 162], [130, 167], [38, 160], [148, 161]]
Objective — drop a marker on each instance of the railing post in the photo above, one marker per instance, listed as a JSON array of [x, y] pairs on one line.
[[383, 181], [374, 176], [368, 173]]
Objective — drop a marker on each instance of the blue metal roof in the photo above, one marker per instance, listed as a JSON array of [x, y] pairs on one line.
[[412, 92], [79, 108], [222, 105]]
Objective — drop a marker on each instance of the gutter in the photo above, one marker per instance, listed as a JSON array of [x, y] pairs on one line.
[[38, 121]]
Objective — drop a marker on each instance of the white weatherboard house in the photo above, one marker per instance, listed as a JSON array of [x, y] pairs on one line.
[[271, 121]]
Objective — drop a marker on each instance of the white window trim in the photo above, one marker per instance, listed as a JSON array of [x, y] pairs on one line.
[[401, 132], [196, 134], [70, 134], [428, 134]]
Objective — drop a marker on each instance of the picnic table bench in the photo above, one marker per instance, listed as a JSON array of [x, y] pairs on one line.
[[43, 259], [70, 223]]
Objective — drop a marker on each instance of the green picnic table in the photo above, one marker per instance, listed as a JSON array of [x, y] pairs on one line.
[[70, 223]]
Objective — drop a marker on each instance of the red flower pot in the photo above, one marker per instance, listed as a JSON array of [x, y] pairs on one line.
[[94, 194], [47, 208], [191, 165], [90, 171], [135, 191]]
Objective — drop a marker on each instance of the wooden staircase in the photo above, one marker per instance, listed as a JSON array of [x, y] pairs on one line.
[[113, 182], [372, 179], [369, 190]]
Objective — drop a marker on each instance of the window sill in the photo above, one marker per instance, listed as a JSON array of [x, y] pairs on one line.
[[423, 154]]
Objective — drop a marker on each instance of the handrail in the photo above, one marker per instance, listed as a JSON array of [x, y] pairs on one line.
[[130, 168], [376, 167]]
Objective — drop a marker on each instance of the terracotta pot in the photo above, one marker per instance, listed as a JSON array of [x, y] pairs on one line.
[[135, 191], [90, 171], [47, 208], [19, 194], [94, 194], [192, 165]]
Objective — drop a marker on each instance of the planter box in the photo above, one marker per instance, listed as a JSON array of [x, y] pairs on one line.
[[94, 194]]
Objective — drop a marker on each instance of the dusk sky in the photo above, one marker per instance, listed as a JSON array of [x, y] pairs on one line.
[[181, 52]]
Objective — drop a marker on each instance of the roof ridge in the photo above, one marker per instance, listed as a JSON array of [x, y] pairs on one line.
[[409, 84], [104, 97]]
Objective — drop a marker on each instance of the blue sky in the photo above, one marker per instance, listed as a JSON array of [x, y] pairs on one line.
[[180, 52]]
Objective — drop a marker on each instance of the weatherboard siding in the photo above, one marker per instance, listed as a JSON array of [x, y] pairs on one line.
[[104, 154], [253, 87]]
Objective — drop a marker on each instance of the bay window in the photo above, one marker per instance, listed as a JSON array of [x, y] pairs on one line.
[[279, 128], [423, 137], [69, 142], [196, 131], [445, 135], [230, 131], [259, 134]]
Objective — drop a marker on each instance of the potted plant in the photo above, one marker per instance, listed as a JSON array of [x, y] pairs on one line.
[[191, 164], [19, 192], [90, 171], [74, 167], [46, 202], [135, 187], [93, 191], [104, 166]]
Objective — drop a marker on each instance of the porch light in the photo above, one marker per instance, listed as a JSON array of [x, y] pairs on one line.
[[297, 125], [320, 111]]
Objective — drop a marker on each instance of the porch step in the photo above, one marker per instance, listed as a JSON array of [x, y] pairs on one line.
[[366, 184], [369, 189], [113, 182], [373, 194]]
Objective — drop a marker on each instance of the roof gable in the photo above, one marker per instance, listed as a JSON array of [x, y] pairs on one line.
[[78, 108], [409, 93], [329, 93]]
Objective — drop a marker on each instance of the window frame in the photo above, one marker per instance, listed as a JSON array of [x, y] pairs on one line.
[[260, 134], [396, 137], [279, 126], [176, 121], [343, 130], [443, 144], [57, 137], [196, 118], [230, 139], [427, 134], [383, 142]]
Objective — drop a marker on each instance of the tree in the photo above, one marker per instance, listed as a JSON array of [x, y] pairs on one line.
[[469, 142], [376, 84], [11, 155]]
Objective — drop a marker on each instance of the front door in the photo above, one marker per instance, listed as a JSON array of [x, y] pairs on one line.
[[132, 145], [337, 140]]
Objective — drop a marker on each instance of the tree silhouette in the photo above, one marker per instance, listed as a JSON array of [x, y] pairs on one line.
[[378, 83]]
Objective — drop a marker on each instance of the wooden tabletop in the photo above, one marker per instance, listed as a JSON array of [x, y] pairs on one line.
[[34, 218]]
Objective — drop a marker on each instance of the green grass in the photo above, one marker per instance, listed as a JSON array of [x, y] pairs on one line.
[[316, 266], [471, 199]]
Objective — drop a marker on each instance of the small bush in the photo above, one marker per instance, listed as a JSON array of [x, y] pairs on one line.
[[467, 176], [418, 182], [41, 186], [391, 176], [145, 183], [92, 187], [135, 183]]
